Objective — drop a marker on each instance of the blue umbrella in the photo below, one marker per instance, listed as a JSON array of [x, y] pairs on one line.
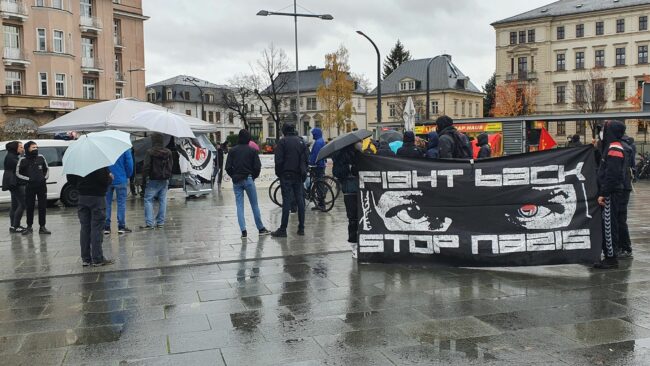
[[395, 145], [94, 151]]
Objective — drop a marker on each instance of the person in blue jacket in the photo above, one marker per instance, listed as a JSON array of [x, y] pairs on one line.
[[318, 166], [122, 170], [432, 146]]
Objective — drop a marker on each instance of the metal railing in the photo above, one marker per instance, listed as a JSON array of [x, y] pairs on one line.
[[522, 75], [120, 77], [91, 22], [118, 41], [90, 63], [11, 53], [13, 7]]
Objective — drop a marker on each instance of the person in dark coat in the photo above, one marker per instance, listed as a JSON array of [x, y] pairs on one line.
[[611, 182], [625, 247], [408, 149], [432, 145], [346, 171], [244, 166], [33, 171], [575, 141], [222, 150], [156, 172], [482, 142], [453, 144], [318, 165], [91, 209], [384, 149], [15, 186]]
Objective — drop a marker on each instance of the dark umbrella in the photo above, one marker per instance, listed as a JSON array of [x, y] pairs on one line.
[[342, 142], [391, 136]]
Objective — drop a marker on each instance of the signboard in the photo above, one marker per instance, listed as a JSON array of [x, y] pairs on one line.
[[62, 104], [528, 209], [470, 128]]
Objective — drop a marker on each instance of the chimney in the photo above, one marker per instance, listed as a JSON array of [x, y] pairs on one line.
[[311, 67], [448, 57]]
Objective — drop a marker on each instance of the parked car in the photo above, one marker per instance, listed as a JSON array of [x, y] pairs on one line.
[[269, 146], [57, 184]]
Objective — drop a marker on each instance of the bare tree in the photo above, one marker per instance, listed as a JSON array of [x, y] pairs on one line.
[[362, 81], [590, 94], [239, 97], [269, 81], [400, 105]]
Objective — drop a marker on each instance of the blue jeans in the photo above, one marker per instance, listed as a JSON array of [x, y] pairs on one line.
[[155, 189], [248, 186], [121, 192]]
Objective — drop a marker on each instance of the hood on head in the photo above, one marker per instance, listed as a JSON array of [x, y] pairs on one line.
[[12, 146], [288, 129], [383, 144], [157, 140], [575, 138], [612, 131], [433, 140], [443, 122], [317, 133], [482, 139], [27, 146], [409, 136], [244, 137]]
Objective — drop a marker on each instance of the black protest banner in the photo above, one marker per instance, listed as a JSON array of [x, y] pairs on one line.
[[530, 209]]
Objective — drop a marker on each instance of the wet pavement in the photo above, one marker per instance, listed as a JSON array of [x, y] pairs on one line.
[[194, 293]]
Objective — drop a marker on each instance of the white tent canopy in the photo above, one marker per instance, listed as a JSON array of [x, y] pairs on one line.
[[115, 115]]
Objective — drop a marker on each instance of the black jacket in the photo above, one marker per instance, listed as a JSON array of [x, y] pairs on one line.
[[611, 172], [291, 157], [384, 149], [453, 144], [485, 151], [243, 160], [157, 151], [94, 184], [409, 150], [33, 170], [9, 179]]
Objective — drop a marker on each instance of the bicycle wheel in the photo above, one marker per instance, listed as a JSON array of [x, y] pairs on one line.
[[334, 183], [277, 195], [272, 192], [320, 187]]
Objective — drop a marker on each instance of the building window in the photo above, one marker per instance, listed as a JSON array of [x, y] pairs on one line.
[[42, 83], [292, 104], [40, 2], [57, 40], [271, 128], [580, 93], [188, 112], [600, 28], [59, 85], [580, 60], [560, 32], [620, 25], [311, 104], [522, 36], [643, 23], [209, 98], [119, 94], [41, 40], [531, 36], [643, 54], [462, 108], [620, 91], [434, 107], [11, 38], [392, 110], [87, 51], [600, 58], [522, 67], [169, 95], [477, 110], [580, 30], [620, 56], [642, 127], [561, 62], [231, 118], [186, 95], [89, 88], [455, 107], [211, 116], [86, 8], [581, 128], [513, 37], [561, 128], [13, 82], [599, 91], [217, 116], [560, 94], [407, 85], [57, 4]]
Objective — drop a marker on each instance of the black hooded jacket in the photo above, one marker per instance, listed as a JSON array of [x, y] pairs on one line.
[[157, 151], [243, 160], [409, 150], [611, 172], [9, 179], [94, 184], [291, 155], [452, 144], [32, 168], [575, 141], [384, 149], [485, 151]]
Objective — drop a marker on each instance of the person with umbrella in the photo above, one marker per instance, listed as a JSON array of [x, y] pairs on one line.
[[156, 172]]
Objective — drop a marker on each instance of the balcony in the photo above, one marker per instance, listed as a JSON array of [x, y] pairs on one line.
[[522, 76], [90, 24], [91, 65], [16, 10], [15, 57], [117, 40], [120, 78]]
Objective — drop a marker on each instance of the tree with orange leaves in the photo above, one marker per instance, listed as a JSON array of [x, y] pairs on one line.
[[637, 99], [514, 99]]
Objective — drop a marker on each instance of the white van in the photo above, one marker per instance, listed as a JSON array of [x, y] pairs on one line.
[[57, 184]]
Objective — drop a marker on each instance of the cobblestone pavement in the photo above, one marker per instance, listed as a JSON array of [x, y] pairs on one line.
[[195, 294]]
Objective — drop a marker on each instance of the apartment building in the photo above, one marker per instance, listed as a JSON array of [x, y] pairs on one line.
[[580, 56], [59, 55], [450, 92]]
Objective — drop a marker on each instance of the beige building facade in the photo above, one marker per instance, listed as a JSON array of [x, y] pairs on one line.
[[59, 55], [580, 56]]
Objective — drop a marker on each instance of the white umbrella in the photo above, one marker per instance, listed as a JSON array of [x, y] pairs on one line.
[[409, 115], [94, 151], [165, 122]]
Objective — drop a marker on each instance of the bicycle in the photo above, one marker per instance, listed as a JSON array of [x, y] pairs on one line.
[[314, 187]]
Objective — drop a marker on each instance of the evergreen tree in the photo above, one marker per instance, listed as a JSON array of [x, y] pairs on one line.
[[489, 89], [397, 56]]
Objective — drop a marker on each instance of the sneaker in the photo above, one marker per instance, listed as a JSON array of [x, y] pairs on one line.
[[12, 230], [279, 234], [147, 227], [85, 264], [124, 230], [107, 231], [44, 231], [625, 254], [160, 226], [353, 247], [244, 234], [301, 232], [607, 263], [19, 229], [263, 231], [28, 230], [104, 262]]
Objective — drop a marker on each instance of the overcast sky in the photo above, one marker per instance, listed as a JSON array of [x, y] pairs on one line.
[[216, 39]]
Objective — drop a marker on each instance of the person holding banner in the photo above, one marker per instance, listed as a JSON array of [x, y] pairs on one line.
[[611, 181], [346, 171], [625, 249], [484, 146]]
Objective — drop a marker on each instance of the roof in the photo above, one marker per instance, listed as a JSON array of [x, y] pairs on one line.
[[182, 80], [443, 74], [310, 80], [569, 7]]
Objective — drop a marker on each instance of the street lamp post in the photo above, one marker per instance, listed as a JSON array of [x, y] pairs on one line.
[[194, 81], [378, 82], [295, 16], [131, 71], [428, 90]]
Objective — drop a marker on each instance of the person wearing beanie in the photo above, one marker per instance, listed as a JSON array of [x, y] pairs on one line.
[[409, 149], [33, 171], [243, 166], [452, 144], [156, 172], [11, 183], [483, 142]]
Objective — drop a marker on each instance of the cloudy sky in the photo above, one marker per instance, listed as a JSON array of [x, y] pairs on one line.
[[217, 39]]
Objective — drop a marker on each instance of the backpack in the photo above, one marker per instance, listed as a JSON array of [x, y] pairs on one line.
[[461, 146], [161, 169]]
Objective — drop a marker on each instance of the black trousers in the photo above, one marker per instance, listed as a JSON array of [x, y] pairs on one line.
[[611, 216], [17, 206], [92, 217], [292, 195], [623, 231], [32, 194], [350, 200]]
